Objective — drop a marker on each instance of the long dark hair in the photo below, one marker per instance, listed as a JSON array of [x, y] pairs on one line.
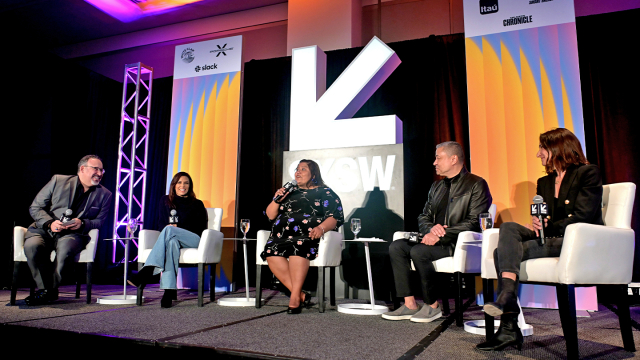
[[172, 187], [314, 169], [564, 149]]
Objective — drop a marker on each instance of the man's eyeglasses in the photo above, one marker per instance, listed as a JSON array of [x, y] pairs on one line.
[[100, 170]]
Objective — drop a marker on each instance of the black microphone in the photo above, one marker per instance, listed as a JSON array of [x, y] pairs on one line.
[[539, 209], [288, 187], [66, 217], [173, 218]]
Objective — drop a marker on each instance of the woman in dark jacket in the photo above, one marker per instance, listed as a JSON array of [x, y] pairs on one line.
[[572, 190]]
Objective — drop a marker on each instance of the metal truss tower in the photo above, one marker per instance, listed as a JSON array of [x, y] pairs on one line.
[[132, 151]]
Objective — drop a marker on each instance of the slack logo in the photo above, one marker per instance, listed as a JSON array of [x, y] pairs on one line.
[[206, 67], [488, 7]]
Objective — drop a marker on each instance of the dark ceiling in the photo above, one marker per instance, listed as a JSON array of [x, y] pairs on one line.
[[53, 23]]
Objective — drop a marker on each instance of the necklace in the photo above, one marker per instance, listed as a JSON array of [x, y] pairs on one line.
[[560, 177]]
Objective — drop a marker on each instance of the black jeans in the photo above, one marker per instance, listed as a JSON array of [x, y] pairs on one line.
[[38, 251], [516, 244], [401, 252]]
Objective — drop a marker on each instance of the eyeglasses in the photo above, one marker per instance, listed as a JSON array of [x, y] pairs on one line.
[[100, 170]]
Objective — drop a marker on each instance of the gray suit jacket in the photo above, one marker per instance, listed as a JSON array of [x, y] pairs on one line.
[[57, 196]]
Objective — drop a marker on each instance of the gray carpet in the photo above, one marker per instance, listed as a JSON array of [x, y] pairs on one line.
[[269, 331]]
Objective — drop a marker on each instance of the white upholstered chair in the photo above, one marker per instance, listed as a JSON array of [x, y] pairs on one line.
[[208, 252], [329, 256], [86, 256], [465, 260], [591, 255]]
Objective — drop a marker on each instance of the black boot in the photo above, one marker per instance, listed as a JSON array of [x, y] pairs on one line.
[[144, 276], [507, 302], [508, 334], [168, 297]]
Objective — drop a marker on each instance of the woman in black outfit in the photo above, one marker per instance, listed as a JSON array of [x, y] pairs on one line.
[[573, 191], [191, 217], [300, 219]]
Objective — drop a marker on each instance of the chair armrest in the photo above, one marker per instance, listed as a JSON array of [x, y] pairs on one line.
[[489, 244], [146, 239], [210, 247], [263, 236], [18, 243], [329, 250], [89, 253], [596, 254], [467, 256], [400, 235]]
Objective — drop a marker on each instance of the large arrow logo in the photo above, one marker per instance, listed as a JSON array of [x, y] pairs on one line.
[[314, 111]]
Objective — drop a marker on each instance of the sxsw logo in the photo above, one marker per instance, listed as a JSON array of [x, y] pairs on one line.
[[488, 7]]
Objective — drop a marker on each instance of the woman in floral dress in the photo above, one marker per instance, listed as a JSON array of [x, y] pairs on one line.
[[300, 219]]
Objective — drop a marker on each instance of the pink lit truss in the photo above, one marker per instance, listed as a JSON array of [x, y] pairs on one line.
[[132, 151]]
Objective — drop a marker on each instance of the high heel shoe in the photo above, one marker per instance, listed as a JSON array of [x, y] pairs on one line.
[[295, 310], [507, 301], [307, 299], [168, 297], [508, 334]]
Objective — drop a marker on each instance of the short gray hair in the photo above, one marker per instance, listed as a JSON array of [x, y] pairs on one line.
[[452, 148], [85, 159]]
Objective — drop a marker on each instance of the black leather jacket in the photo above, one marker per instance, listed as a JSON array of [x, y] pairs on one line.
[[469, 197]]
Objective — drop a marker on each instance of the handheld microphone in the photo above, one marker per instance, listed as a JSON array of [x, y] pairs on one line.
[[66, 217], [540, 210], [173, 218], [288, 187]]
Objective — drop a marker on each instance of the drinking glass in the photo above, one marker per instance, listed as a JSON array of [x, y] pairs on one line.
[[244, 227], [485, 221], [132, 226], [356, 225]]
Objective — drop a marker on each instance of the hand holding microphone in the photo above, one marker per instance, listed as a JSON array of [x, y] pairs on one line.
[[539, 210], [173, 217], [285, 190]]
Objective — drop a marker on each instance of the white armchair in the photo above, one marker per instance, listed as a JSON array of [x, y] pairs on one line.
[[329, 256], [86, 256], [208, 252], [591, 255], [466, 259]]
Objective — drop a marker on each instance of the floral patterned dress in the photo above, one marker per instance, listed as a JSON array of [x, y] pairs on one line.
[[299, 212]]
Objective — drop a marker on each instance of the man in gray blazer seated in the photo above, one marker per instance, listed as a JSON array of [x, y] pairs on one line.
[[89, 203]]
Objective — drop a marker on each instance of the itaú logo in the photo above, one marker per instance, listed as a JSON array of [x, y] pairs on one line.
[[347, 173], [322, 119], [488, 7]]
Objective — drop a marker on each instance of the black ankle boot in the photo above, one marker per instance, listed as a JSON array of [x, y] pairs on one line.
[[508, 334], [507, 301], [144, 276], [168, 297]]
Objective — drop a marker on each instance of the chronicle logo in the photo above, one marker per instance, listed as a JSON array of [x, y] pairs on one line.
[[206, 67], [221, 50], [187, 55], [517, 20], [488, 7]]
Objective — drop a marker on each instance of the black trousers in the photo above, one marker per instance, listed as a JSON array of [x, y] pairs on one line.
[[401, 252], [38, 250], [516, 244]]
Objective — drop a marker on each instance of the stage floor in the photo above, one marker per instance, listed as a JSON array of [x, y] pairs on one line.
[[269, 332]]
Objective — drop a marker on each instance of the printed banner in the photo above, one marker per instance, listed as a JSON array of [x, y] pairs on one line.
[[522, 79], [204, 126]]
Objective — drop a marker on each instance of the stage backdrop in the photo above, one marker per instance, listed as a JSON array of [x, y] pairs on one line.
[[523, 78], [204, 130]]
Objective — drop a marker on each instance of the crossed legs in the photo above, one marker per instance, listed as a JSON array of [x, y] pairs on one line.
[[291, 274]]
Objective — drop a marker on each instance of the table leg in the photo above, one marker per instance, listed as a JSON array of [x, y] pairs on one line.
[[246, 269], [126, 268], [366, 252]]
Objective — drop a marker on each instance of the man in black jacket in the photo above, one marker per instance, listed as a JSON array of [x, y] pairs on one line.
[[453, 206]]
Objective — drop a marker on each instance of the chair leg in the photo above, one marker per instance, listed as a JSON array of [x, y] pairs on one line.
[[332, 286], [78, 282], [212, 282], [487, 293], [458, 299], [200, 284], [139, 293], [624, 317], [445, 295], [89, 278], [258, 286], [567, 307], [321, 289], [14, 282]]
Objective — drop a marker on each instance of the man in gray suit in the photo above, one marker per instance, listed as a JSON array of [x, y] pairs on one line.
[[89, 203]]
